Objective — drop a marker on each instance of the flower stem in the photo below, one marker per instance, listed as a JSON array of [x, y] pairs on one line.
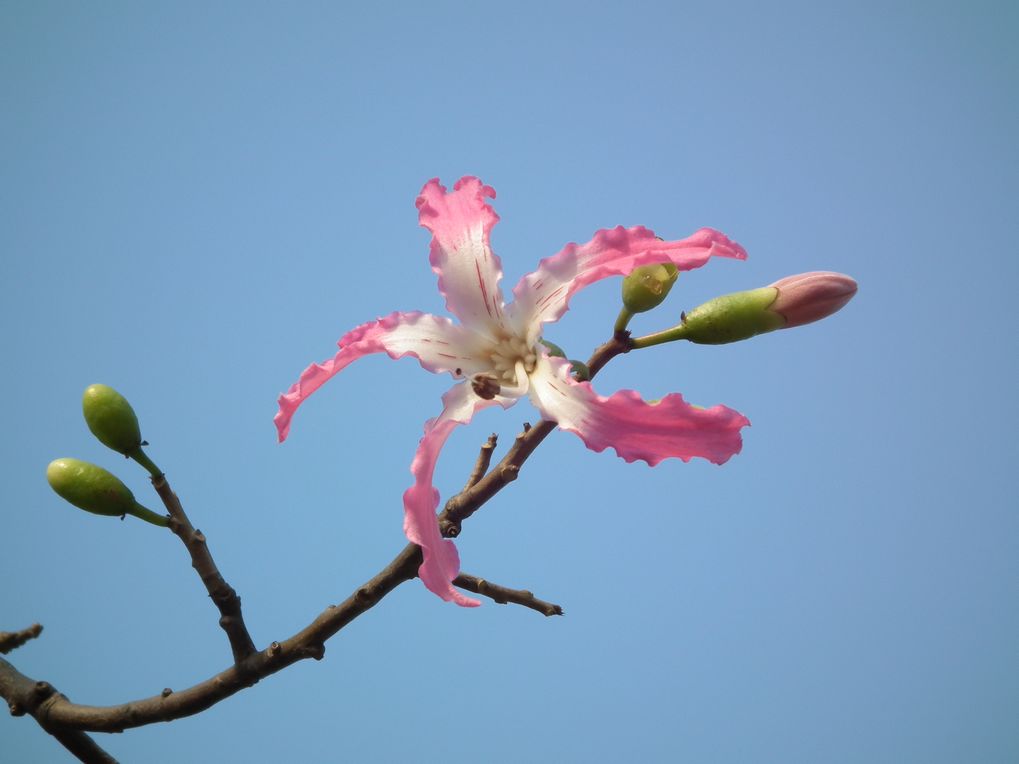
[[659, 338], [139, 456], [146, 514], [622, 321]]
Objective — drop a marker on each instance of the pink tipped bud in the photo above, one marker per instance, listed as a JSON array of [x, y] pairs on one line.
[[811, 296]]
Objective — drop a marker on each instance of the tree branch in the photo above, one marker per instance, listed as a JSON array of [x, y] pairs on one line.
[[25, 696], [170, 705], [222, 594], [484, 459], [502, 595], [59, 714], [12, 640]]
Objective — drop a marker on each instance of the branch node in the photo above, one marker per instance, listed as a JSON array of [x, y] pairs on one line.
[[275, 648], [167, 692], [42, 690], [449, 529], [16, 708], [316, 650]]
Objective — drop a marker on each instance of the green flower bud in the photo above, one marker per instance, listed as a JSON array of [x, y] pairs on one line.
[[111, 419], [95, 490], [647, 286], [792, 301]]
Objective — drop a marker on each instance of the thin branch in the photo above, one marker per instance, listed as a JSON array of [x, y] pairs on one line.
[[222, 594], [502, 595], [25, 696], [61, 714], [82, 746], [484, 459], [12, 640]]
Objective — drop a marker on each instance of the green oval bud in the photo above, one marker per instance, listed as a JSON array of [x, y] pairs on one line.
[[732, 317], [95, 490], [89, 487], [111, 419], [647, 286]]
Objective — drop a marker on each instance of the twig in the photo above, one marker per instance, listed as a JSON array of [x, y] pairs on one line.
[[12, 640], [25, 696], [502, 595], [222, 594], [484, 459]]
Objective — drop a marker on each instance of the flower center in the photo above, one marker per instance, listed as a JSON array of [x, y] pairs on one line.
[[512, 361], [506, 355]]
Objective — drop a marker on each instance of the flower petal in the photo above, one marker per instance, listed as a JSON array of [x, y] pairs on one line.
[[543, 295], [634, 428], [441, 561], [469, 272], [437, 343]]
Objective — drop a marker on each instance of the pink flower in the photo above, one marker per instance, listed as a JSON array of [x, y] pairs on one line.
[[495, 355]]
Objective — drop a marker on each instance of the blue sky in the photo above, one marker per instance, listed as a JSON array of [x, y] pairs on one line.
[[196, 201]]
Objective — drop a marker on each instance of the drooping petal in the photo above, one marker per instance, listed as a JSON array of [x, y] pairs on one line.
[[543, 296], [441, 561], [634, 428], [437, 343], [461, 255]]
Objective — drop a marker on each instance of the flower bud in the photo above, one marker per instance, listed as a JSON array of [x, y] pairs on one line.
[[111, 419], [647, 286], [95, 490], [792, 301], [89, 487], [812, 296]]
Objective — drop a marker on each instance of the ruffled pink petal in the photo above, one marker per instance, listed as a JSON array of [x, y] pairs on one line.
[[634, 428], [461, 255], [543, 295], [441, 561], [437, 343]]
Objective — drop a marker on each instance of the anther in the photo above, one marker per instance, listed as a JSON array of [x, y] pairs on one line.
[[485, 386]]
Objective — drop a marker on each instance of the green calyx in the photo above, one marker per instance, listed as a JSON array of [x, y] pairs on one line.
[[111, 419], [95, 490], [647, 286], [733, 317], [729, 318], [580, 371], [554, 350]]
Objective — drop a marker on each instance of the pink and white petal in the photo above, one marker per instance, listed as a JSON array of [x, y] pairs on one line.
[[441, 561], [634, 428], [437, 343], [461, 254], [543, 296]]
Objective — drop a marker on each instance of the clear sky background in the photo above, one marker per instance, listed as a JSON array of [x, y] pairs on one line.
[[197, 200]]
